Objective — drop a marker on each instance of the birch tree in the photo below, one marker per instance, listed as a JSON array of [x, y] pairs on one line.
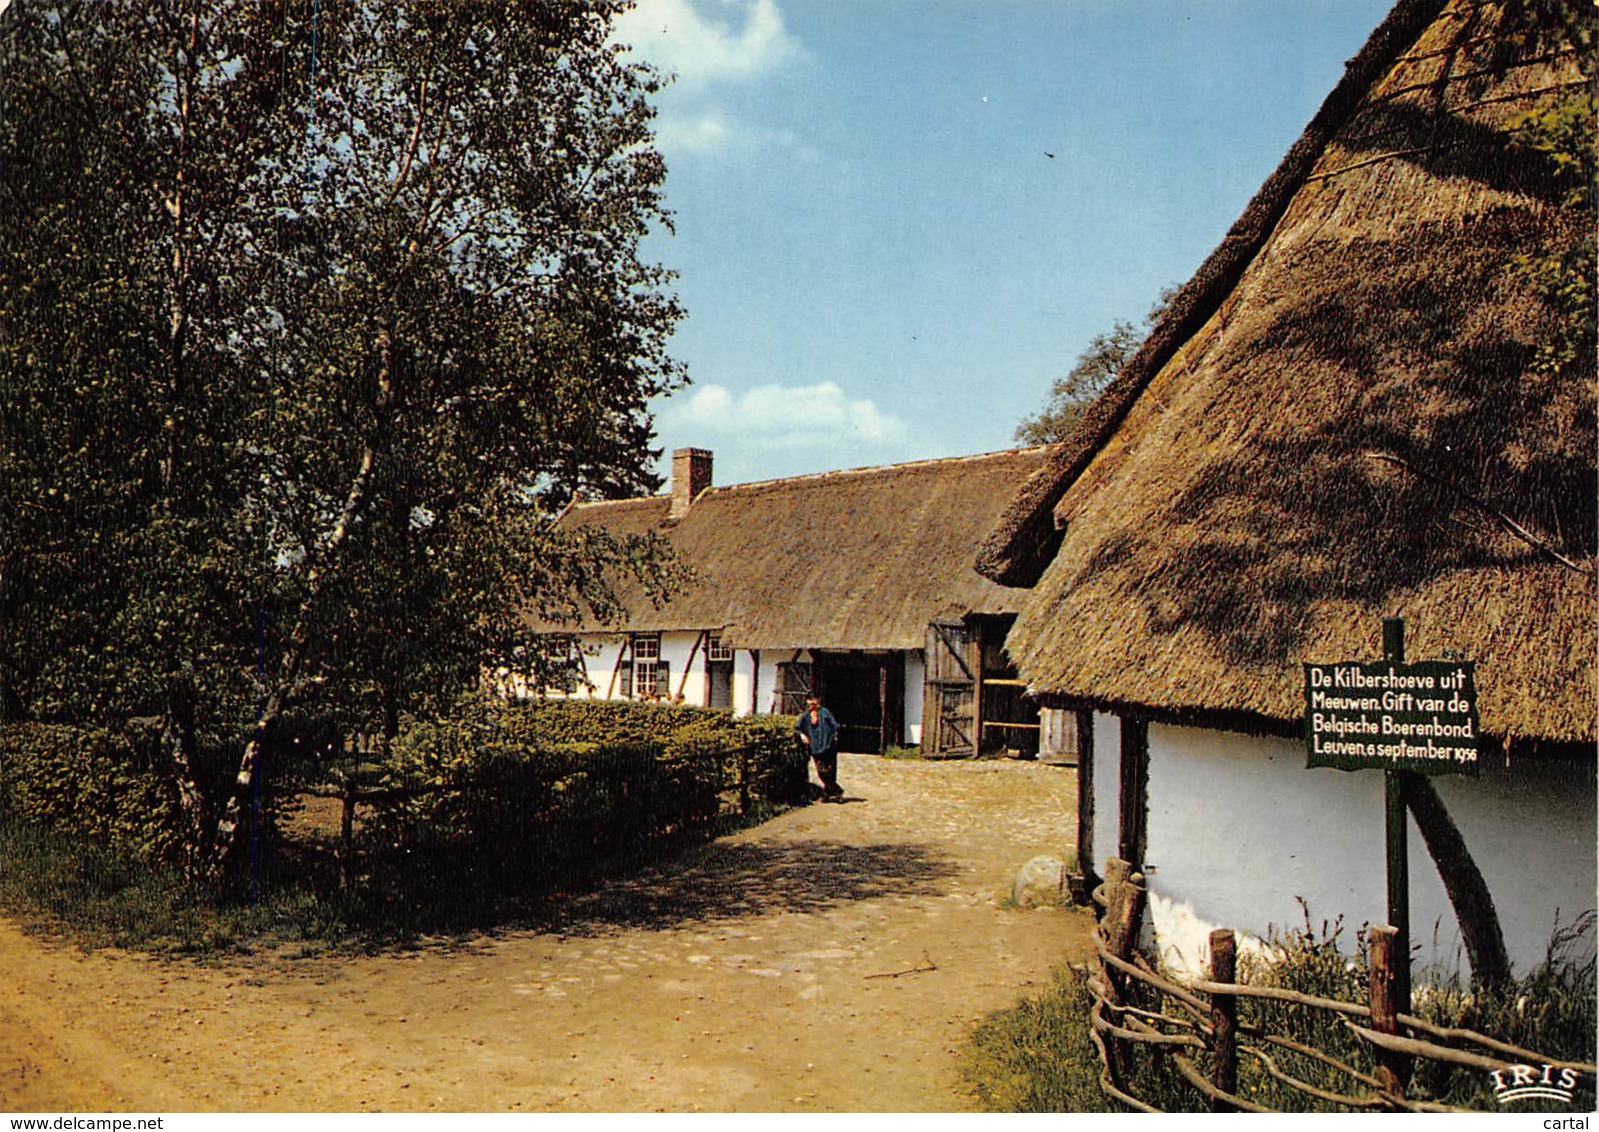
[[358, 289]]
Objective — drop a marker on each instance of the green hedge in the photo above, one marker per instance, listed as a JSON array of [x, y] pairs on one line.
[[525, 785], [777, 771], [538, 790], [601, 721], [91, 783]]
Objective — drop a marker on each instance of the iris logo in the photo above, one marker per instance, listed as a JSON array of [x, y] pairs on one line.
[[1530, 1082]]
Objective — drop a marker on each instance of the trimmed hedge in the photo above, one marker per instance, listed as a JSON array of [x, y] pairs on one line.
[[538, 791], [535, 786], [777, 768], [92, 783]]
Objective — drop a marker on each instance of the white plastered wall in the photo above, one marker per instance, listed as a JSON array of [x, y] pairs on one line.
[[743, 680], [1238, 827], [602, 681], [684, 653], [1107, 786], [915, 692], [767, 690]]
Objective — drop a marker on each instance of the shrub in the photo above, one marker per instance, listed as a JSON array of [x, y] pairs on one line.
[[493, 808], [90, 783], [542, 792], [1550, 1010]]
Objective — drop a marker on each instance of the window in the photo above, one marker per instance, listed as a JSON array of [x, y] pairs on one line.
[[560, 651], [647, 666], [715, 650]]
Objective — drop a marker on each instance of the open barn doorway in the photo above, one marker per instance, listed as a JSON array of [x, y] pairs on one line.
[[866, 693], [977, 703]]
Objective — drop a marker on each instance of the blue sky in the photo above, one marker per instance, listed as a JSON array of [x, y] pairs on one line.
[[880, 261]]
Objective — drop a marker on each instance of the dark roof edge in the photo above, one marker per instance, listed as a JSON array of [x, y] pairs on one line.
[[1019, 548]]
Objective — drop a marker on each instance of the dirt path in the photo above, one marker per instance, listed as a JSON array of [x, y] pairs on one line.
[[776, 970]]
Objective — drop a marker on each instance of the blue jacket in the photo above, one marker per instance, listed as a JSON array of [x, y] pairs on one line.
[[821, 735]]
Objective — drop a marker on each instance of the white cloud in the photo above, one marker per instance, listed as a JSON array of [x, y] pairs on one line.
[[813, 417], [707, 41], [707, 132], [710, 46]]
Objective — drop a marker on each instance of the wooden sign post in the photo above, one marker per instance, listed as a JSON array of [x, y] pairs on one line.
[[1397, 841], [1405, 720]]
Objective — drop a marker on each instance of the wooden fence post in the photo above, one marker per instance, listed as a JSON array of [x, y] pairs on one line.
[[1223, 1017], [347, 833], [1391, 1068], [1124, 910], [1124, 906]]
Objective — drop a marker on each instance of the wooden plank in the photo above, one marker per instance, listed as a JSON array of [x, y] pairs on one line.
[[1134, 790], [1463, 882], [1386, 959], [623, 653], [1223, 1020], [1085, 802]]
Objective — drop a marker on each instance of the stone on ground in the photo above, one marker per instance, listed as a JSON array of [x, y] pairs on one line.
[[1039, 882]]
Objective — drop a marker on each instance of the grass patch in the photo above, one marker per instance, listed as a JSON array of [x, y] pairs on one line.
[[1038, 1057], [63, 886], [895, 751]]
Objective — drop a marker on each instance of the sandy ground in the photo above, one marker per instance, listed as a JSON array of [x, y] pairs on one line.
[[832, 959]]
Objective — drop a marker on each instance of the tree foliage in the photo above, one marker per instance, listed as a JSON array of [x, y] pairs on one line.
[[311, 317], [1095, 368], [1565, 137]]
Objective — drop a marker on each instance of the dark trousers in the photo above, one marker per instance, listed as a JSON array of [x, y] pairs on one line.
[[827, 768]]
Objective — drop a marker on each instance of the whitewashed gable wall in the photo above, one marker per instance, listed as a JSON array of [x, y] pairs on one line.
[[1238, 827]]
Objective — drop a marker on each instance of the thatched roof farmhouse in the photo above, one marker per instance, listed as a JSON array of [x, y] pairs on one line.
[[1363, 405], [837, 581]]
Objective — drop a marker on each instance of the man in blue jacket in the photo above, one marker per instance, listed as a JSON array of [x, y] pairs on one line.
[[817, 730]]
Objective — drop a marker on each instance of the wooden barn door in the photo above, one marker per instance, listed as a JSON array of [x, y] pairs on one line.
[[951, 696], [793, 686]]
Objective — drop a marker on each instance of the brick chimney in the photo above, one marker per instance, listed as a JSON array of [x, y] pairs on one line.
[[691, 474]]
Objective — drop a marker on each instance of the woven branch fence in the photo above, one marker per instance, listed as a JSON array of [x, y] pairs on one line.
[[1196, 1026]]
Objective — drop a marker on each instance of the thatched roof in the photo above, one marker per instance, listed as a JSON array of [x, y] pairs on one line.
[[1343, 417], [859, 559]]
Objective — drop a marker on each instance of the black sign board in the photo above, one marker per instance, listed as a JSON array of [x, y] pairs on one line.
[[1389, 715]]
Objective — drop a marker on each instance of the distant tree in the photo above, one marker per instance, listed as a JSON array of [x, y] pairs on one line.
[[1094, 369], [311, 317], [1562, 135]]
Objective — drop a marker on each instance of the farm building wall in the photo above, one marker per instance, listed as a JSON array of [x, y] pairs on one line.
[[915, 681], [745, 683], [767, 691], [1107, 787], [1238, 828], [677, 655], [753, 685]]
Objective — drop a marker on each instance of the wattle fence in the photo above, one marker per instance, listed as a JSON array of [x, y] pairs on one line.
[[1141, 1018]]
